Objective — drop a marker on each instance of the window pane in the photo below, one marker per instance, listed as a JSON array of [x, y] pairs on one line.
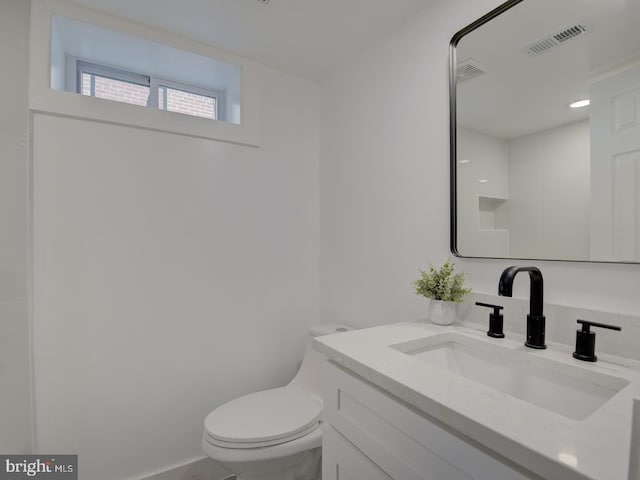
[[117, 90], [189, 103]]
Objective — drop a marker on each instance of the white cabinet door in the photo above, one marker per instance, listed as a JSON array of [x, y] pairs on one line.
[[342, 461], [399, 441]]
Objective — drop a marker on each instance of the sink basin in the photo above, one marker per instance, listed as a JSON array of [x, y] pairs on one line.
[[562, 388]]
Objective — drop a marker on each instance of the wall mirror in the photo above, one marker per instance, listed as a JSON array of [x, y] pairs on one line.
[[545, 132]]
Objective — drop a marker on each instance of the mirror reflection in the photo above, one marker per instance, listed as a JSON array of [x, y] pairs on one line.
[[547, 151]]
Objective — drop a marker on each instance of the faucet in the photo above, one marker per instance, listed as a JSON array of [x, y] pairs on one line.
[[535, 319]]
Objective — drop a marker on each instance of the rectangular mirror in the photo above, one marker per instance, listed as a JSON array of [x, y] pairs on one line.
[[534, 173]]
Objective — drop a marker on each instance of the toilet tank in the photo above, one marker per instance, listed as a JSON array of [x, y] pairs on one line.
[[309, 376]]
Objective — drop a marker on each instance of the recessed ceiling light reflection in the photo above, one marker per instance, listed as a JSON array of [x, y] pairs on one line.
[[580, 103], [483, 180], [464, 161]]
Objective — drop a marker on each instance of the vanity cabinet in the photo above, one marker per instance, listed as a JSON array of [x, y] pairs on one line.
[[370, 435]]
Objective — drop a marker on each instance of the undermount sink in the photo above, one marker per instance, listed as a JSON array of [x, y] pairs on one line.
[[568, 390]]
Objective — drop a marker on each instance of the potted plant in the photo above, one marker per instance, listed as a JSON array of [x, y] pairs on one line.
[[444, 289]]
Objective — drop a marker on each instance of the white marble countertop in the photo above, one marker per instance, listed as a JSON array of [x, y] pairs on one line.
[[548, 444]]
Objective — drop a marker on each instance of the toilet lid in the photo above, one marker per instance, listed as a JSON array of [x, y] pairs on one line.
[[270, 416]]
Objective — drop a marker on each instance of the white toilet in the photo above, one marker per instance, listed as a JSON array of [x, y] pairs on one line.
[[273, 434]]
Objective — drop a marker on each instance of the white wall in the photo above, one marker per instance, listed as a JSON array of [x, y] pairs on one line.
[[171, 274], [544, 177], [552, 168], [15, 383], [482, 232], [384, 195]]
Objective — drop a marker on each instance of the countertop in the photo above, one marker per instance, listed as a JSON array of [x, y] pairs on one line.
[[546, 443]]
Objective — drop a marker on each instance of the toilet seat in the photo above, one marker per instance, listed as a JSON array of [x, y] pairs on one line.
[[262, 419]]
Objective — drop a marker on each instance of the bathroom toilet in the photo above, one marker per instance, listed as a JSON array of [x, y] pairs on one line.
[[273, 434]]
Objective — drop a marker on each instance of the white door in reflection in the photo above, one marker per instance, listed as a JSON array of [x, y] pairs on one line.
[[615, 167]]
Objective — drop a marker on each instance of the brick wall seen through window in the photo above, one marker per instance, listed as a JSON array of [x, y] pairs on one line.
[[171, 99]]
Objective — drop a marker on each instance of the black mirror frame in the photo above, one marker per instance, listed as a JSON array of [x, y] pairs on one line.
[[453, 228]]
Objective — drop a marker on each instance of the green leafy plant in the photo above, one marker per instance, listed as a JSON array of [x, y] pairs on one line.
[[442, 284]]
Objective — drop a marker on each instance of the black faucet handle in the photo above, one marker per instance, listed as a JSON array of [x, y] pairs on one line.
[[496, 308], [586, 324], [496, 320], [586, 340]]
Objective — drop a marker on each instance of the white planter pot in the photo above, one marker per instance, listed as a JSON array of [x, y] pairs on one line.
[[442, 313]]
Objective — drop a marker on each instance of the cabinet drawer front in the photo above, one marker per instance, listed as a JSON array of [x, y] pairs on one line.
[[405, 444]]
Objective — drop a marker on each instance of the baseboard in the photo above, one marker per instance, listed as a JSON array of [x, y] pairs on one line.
[[197, 469]]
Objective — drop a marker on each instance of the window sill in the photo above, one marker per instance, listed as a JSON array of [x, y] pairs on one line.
[[90, 108]]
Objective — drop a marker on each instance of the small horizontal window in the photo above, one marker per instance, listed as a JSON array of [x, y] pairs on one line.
[[112, 84], [109, 83], [136, 71], [180, 98], [190, 103], [116, 90]]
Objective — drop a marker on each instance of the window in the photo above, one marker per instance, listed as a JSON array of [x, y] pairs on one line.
[[123, 86], [175, 97], [111, 84], [122, 64]]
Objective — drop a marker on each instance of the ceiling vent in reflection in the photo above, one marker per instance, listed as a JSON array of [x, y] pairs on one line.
[[468, 70], [559, 38]]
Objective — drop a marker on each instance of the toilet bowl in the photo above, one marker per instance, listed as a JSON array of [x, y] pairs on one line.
[[273, 434]]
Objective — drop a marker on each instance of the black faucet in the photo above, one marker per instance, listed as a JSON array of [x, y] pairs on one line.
[[535, 319]]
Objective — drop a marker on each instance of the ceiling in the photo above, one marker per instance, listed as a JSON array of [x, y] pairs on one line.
[[307, 38]]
